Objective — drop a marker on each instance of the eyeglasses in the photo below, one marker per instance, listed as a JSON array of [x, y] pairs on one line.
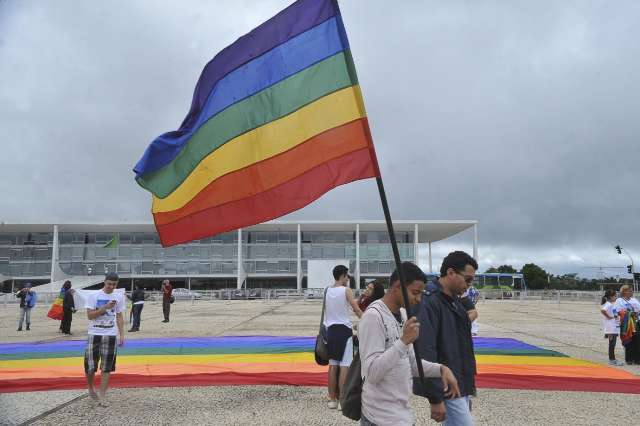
[[467, 278]]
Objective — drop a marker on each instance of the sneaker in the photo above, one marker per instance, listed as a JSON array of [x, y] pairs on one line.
[[616, 363], [28, 328], [333, 404], [19, 329]]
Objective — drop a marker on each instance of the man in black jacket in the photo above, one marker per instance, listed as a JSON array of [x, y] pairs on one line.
[[68, 308], [137, 298], [445, 338]]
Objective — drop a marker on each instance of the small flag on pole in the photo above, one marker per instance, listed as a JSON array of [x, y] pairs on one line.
[[113, 242], [277, 120]]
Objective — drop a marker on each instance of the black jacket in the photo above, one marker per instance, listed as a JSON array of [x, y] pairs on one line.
[[137, 295], [445, 338], [67, 302]]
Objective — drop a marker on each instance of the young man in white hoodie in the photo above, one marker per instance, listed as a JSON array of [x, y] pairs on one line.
[[386, 353]]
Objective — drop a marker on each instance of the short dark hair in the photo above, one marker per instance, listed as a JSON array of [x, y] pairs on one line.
[[378, 291], [339, 271], [411, 273], [457, 260], [111, 276]]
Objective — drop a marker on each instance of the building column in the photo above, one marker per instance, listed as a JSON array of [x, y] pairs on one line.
[[430, 261], [299, 260], [239, 268], [415, 243], [54, 258], [475, 241], [358, 255]]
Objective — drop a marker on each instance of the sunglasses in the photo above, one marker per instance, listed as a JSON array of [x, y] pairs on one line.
[[467, 278]]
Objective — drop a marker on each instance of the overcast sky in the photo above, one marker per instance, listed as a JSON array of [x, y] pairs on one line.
[[523, 115]]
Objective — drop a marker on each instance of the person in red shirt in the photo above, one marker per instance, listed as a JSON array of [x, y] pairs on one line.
[[166, 299]]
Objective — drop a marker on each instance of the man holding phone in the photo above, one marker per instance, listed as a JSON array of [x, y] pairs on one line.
[[105, 312]]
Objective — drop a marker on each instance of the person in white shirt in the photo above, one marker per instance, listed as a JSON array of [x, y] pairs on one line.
[[337, 320], [631, 305], [610, 323], [387, 357], [105, 312]]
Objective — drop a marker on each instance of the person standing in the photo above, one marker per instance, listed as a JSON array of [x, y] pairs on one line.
[[68, 308], [445, 337], [106, 322], [610, 323], [137, 298], [387, 357], [337, 320], [167, 291], [27, 301], [631, 306]]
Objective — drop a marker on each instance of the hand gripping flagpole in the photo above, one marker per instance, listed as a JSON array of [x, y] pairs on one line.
[[394, 246], [403, 285]]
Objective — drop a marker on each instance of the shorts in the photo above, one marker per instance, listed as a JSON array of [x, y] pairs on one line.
[[101, 349], [347, 356]]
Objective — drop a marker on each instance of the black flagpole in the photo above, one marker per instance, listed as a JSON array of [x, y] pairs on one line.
[[396, 255]]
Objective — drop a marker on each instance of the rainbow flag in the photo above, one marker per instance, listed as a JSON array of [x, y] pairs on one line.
[[277, 120], [276, 360], [627, 327], [56, 311]]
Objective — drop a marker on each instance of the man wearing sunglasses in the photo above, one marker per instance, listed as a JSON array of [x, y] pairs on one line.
[[445, 338]]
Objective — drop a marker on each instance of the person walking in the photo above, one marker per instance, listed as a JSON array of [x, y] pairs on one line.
[[106, 322], [137, 298], [167, 296], [387, 357], [28, 299], [445, 337], [337, 320], [68, 308]]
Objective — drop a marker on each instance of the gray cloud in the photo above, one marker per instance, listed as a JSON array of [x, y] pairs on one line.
[[519, 114]]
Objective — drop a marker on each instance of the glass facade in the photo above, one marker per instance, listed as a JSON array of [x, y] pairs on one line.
[[264, 253]]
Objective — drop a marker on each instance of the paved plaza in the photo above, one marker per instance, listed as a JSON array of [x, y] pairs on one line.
[[570, 328]]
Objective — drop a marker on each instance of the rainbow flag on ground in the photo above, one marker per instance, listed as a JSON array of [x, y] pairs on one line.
[[277, 120], [276, 360]]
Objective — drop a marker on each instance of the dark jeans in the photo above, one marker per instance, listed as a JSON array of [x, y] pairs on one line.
[[632, 350], [137, 311], [65, 324], [166, 308]]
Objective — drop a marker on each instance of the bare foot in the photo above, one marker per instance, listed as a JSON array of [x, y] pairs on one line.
[[103, 403], [93, 394]]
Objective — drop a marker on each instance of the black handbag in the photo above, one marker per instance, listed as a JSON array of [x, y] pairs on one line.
[[351, 392], [321, 352]]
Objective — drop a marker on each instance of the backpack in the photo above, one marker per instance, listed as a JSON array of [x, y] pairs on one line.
[[351, 392], [31, 299]]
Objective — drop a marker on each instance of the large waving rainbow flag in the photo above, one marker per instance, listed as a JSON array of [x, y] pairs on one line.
[[277, 120], [275, 360]]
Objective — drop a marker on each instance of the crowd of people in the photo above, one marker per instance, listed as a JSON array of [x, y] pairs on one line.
[[621, 317], [439, 324]]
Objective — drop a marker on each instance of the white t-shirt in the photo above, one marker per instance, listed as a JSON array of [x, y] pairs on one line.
[[105, 325], [610, 326]]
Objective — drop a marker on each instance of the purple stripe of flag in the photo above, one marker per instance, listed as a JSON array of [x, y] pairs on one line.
[[292, 21]]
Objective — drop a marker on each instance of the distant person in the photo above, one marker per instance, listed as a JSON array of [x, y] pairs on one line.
[[445, 337], [68, 308], [374, 291], [28, 299], [610, 323], [337, 320], [631, 306], [106, 323], [387, 357], [167, 291], [137, 300], [469, 300]]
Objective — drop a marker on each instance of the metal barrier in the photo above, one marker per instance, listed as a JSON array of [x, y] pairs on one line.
[[558, 296]]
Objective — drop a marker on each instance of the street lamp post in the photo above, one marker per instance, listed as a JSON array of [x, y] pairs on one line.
[[620, 250]]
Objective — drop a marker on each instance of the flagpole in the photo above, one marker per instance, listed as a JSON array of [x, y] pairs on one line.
[[396, 255]]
